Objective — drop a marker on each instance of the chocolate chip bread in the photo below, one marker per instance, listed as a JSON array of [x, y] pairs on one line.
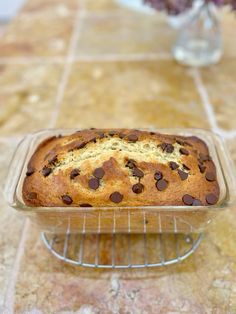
[[120, 167]]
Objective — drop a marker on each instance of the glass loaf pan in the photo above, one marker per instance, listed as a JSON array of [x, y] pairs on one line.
[[141, 219]]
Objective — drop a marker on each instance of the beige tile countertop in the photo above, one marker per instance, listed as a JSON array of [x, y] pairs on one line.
[[94, 63]]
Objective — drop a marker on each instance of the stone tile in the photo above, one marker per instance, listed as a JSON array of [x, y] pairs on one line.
[[232, 148], [219, 81], [131, 94], [124, 34], [228, 23], [59, 8], [36, 37], [58, 288], [10, 224], [27, 96], [103, 5], [113, 6]]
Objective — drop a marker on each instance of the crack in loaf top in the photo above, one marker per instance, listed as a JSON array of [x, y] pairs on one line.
[[120, 167]]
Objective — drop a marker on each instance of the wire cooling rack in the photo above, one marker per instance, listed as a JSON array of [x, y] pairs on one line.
[[116, 250]]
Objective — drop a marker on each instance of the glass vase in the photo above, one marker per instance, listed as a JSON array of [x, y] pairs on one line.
[[199, 41]]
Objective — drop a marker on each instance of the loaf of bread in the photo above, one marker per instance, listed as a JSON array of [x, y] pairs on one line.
[[120, 167]]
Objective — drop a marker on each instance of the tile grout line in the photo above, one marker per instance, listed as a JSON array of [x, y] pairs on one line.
[[9, 301], [205, 100], [90, 58], [68, 64]]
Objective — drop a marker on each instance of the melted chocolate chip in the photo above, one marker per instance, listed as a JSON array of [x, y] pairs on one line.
[[163, 146], [161, 185], [116, 197], [66, 199], [46, 171], [133, 137], [184, 151], [186, 167], [32, 195], [173, 165], [121, 135], [85, 205], [169, 148], [138, 173], [203, 158], [131, 164], [187, 143], [152, 133], [211, 199], [183, 175], [158, 175], [29, 171], [210, 176], [81, 145], [112, 133], [99, 173], [59, 136], [101, 134], [138, 188], [93, 183], [201, 168], [53, 160], [187, 199], [196, 202], [180, 142], [74, 173]]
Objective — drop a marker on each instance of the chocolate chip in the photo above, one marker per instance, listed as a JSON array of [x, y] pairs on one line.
[[187, 143], [201, 168], [210, 176], [131, 164], [166, 147], [29, 171], [101, 134], [203, 158], [85, 205], [161, 185], [197, 202], [81, 145], [121, 135], [53, 160], [93, 140], [99, 173], [93, 183], [116, 197], [163, 146], [138, 188], [59, 136], [184, 151], [138, 173], [92, 128], [152, 133], [74, 173], [186, 167], [173, 165], [46, 171], [169, 148], [183, 175], [32, 195], [211, 199], [67, 199], [132, 138], [180, 142], [158, 175], [187, 199], [112, 133]]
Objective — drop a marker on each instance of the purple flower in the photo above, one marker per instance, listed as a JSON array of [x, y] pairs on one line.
[[175, 7]]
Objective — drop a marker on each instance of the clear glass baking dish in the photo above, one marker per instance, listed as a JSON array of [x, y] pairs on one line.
[[142, 219]]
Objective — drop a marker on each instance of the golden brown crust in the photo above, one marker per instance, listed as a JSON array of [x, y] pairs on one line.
[[61, 171]]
